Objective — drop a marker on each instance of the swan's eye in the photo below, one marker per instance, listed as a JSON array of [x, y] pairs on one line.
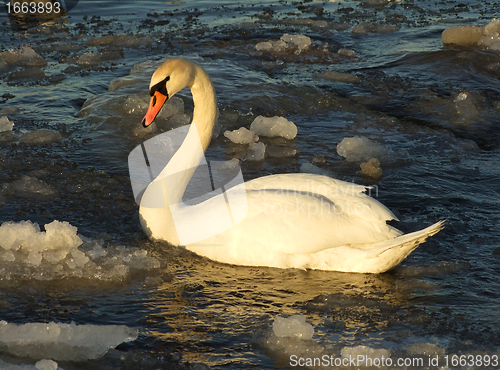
[[161, 87], [154, 100]]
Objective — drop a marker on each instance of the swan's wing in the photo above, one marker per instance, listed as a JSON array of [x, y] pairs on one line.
[[345, 194]]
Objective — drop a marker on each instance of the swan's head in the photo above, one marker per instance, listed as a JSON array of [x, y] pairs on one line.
[[171, 77]]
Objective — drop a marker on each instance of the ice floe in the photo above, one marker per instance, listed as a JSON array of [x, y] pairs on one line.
[[62, 342], [42, 136], [274, 126], [298, 42], [27, 186], [6, 124], [26, 252], [242, 136], [361, 149], [24, 56], [371, 168], [293, 326], [257, 152], [487, 36]]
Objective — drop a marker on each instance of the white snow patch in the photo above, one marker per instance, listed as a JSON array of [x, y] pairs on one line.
[[274, 126], [62, 342], [242, 136], [5, 124], [293, 326]]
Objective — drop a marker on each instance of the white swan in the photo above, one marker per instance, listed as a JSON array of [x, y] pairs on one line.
[[291, 221]]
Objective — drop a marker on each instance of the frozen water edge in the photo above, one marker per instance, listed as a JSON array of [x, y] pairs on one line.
[[63, 342], [26, 252]]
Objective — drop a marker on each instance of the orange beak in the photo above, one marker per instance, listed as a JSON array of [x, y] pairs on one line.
[[155, 104]]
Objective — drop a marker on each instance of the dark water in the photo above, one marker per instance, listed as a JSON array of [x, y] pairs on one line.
[[409, 96]]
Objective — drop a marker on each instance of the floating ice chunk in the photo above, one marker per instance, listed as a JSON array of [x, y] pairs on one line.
[[293, 326], [120, 82], [63, 342], [366, 352], [30, 73], [140, 131], [338, 76], [271, 45], [371, 168], [257, 152], [462, 35], [486, 36], [361, 149], [91, 58], [179, 120], [174, 106], [229, 166], [369, 27], [242, 136], [135, 105], [5, 124], [347, 53], [274, 126], [300, 41], [28, 186], [40, 365], [491, 38], [466, 109], [426, 349], [46, 365], [25, 56], [492, 27], [41, 137], [28, 253]]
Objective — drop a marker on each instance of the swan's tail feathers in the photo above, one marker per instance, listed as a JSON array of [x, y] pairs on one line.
[[396, 250]]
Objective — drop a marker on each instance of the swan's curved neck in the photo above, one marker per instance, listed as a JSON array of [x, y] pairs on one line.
[[181, 167]]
